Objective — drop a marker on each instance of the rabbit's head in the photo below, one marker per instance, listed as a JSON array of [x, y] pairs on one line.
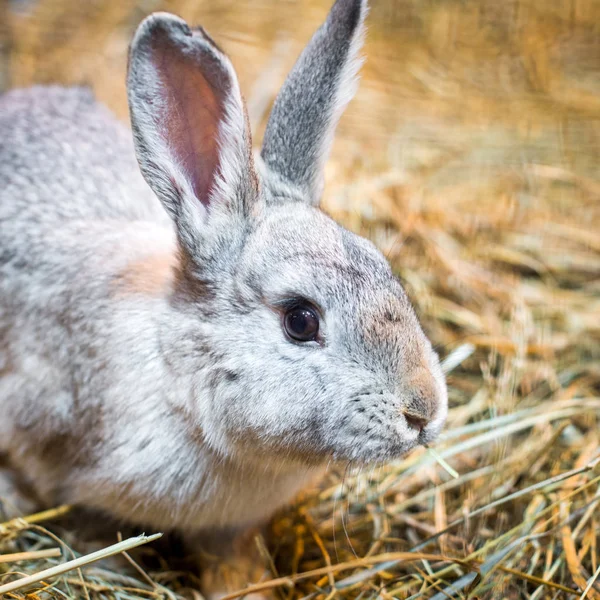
[[308, 345]]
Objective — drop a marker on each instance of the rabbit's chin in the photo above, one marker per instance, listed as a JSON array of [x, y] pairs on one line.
[[373, 456], [362, 453], [370, 452], [366, 453]]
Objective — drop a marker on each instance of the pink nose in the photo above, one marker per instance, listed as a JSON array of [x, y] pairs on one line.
[[415, 420], [423, 399]]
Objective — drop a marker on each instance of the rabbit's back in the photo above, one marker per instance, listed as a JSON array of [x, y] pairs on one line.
[[74, 209], [65, 157]]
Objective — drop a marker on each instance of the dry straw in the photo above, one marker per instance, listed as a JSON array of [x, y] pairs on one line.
[[470, 157], [71, 565]]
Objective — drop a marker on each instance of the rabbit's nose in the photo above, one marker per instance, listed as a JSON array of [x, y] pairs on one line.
[[415, 421], [423, 399]]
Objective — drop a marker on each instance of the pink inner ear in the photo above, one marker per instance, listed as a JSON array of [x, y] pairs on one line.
[[193, 91]]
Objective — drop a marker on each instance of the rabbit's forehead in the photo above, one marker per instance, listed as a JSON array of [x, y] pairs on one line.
[[301, 249], [294, 227]]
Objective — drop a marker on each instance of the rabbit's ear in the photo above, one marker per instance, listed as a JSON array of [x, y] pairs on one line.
[[300, 130], [189, 122]]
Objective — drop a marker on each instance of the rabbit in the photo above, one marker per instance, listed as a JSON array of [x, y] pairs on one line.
[[187, 339]]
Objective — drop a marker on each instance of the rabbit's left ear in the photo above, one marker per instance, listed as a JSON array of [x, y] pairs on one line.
[[300, 130], [190, 126]]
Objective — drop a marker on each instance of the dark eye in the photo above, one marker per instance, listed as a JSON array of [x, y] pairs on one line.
[[301, 323]]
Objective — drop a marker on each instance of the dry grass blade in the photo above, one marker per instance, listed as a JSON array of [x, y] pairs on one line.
[[443, 463], [538, 580], [82, 561], [32, 555], [24, 522], [591, 582], [572, 560]]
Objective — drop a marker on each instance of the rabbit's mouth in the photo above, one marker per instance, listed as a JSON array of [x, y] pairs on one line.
[[380, 440], [380, 426]]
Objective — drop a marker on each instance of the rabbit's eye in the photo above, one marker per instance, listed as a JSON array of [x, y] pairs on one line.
[[301, 323]]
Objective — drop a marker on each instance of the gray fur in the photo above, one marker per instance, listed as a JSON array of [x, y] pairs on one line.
[[300, 130], [143, 366]]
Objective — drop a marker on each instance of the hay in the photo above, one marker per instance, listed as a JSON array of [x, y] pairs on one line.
[[470, 156]]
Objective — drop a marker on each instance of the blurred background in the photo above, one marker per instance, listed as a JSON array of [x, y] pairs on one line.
[[471, 157]]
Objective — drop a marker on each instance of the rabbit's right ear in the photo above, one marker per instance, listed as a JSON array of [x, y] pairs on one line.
[[190, 126], [300, 130]]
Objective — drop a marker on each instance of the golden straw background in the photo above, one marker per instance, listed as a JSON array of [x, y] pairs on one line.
[[471, 157]]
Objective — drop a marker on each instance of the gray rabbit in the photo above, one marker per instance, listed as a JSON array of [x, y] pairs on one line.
[[187, 349]]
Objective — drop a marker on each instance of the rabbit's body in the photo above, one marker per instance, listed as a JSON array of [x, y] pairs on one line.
[[73, 396], [73, 154], [187, 349]]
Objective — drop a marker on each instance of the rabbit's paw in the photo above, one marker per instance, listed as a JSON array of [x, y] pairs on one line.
[[223, 577], [233, 567]]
